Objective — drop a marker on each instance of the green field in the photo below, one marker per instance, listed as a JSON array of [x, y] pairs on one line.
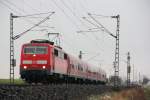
[[7, 81]]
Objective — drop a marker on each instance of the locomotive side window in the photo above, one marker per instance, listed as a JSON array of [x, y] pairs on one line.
[[65, 56], [56, 52], [61, 55]]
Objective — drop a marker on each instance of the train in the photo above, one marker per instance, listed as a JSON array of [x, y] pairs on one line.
[[42, 61]]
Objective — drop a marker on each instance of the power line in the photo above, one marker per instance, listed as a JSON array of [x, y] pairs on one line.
[[62, 10], [17, 36], [73, 13], [37, 10], [92, 28], [36, 14], [102, 27], [31, 7], [103, 16], [9, 7], [91, 58], [85, 18], [19, 9], [14, 5], [82, 6]]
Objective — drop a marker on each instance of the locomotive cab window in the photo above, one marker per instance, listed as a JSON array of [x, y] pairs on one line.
[[35, 50]]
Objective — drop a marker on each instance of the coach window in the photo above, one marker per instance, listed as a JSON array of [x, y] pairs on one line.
[[81, 68], [78, 67], [72, 66], [103, 75], [56, 52]]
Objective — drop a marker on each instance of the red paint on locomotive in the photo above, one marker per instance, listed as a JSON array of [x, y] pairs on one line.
[[51, 60]]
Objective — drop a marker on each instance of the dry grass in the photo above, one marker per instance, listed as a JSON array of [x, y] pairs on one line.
[[131, 94]]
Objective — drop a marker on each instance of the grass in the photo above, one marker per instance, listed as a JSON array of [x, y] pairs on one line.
[[130, 94], [7, 81], [147, 92]]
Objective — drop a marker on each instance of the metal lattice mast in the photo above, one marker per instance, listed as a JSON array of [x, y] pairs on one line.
[[128, 69], [116, 62], [12, 60]]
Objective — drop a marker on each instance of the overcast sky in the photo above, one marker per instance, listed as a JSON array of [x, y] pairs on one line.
[[98, 47]]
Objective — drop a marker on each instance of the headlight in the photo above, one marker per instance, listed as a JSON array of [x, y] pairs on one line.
[[25, 67], [41, 62], [27, 62], [44, 67]]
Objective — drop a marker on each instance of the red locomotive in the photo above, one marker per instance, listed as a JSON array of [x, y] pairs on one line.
[[42, 61]]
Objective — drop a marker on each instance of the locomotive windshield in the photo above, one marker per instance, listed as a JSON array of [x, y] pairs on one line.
[[35, 50]]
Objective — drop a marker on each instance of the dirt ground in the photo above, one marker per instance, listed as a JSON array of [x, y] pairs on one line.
[[130, 94]]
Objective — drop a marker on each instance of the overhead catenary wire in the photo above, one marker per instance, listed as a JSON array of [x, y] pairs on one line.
[[103, 16], [27, 4], [42, 21], [63, 11], [36, 14], [74, 14], [85, 18], [86, 31], [21, 11], [91, 58], [14, 5], [102, 27], [97, 26], [67, 15], [89, 29], [85, 9], [7, 6], [36, 10]]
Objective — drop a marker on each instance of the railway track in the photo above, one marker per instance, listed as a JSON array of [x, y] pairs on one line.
[[50, 92]]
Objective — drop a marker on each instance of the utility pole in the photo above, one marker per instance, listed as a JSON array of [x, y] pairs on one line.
[[116, 62], [128, 69], [12, 60]]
